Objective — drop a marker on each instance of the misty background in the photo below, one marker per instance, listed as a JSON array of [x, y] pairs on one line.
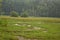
[[36, 8]]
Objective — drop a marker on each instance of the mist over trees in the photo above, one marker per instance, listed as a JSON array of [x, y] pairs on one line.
[[38, 8]]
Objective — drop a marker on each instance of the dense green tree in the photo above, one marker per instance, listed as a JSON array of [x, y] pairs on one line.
[[35, 7], [24, 14], [14, 14], [0, 6]]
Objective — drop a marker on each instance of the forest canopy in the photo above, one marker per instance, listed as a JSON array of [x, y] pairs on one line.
[[38, 8]]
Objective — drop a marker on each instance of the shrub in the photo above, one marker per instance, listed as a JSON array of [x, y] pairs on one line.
[[24, 15], [14, 14]]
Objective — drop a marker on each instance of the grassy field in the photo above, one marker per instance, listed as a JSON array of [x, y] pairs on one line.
[[17, 28]]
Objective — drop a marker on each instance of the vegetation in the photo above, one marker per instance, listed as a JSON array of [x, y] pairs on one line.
[[35, 21], [14, 14], [49, 28], [25, 14], [44, 8]]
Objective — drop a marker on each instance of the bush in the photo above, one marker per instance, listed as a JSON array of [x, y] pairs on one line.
[[24, 14], [14, 14]]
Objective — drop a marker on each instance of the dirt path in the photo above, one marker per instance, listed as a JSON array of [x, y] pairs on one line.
[[22, 38]]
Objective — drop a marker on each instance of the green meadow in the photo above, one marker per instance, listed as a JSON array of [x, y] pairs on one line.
[[30, 28]]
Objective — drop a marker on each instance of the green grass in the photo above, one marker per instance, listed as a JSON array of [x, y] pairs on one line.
[[9, 31]]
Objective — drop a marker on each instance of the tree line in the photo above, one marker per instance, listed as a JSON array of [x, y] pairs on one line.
[[37, 8]]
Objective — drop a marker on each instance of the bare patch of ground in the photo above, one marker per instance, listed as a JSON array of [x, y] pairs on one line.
[[30, 27], [22, 38]]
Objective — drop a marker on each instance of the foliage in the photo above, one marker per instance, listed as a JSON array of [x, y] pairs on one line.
[[24, 14], [39, 8], [14, 14], [12, 31]]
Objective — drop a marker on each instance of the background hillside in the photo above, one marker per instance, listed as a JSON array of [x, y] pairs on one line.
[[38, 8]]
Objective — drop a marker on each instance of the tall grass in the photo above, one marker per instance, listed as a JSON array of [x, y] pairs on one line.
[[9, 31]]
